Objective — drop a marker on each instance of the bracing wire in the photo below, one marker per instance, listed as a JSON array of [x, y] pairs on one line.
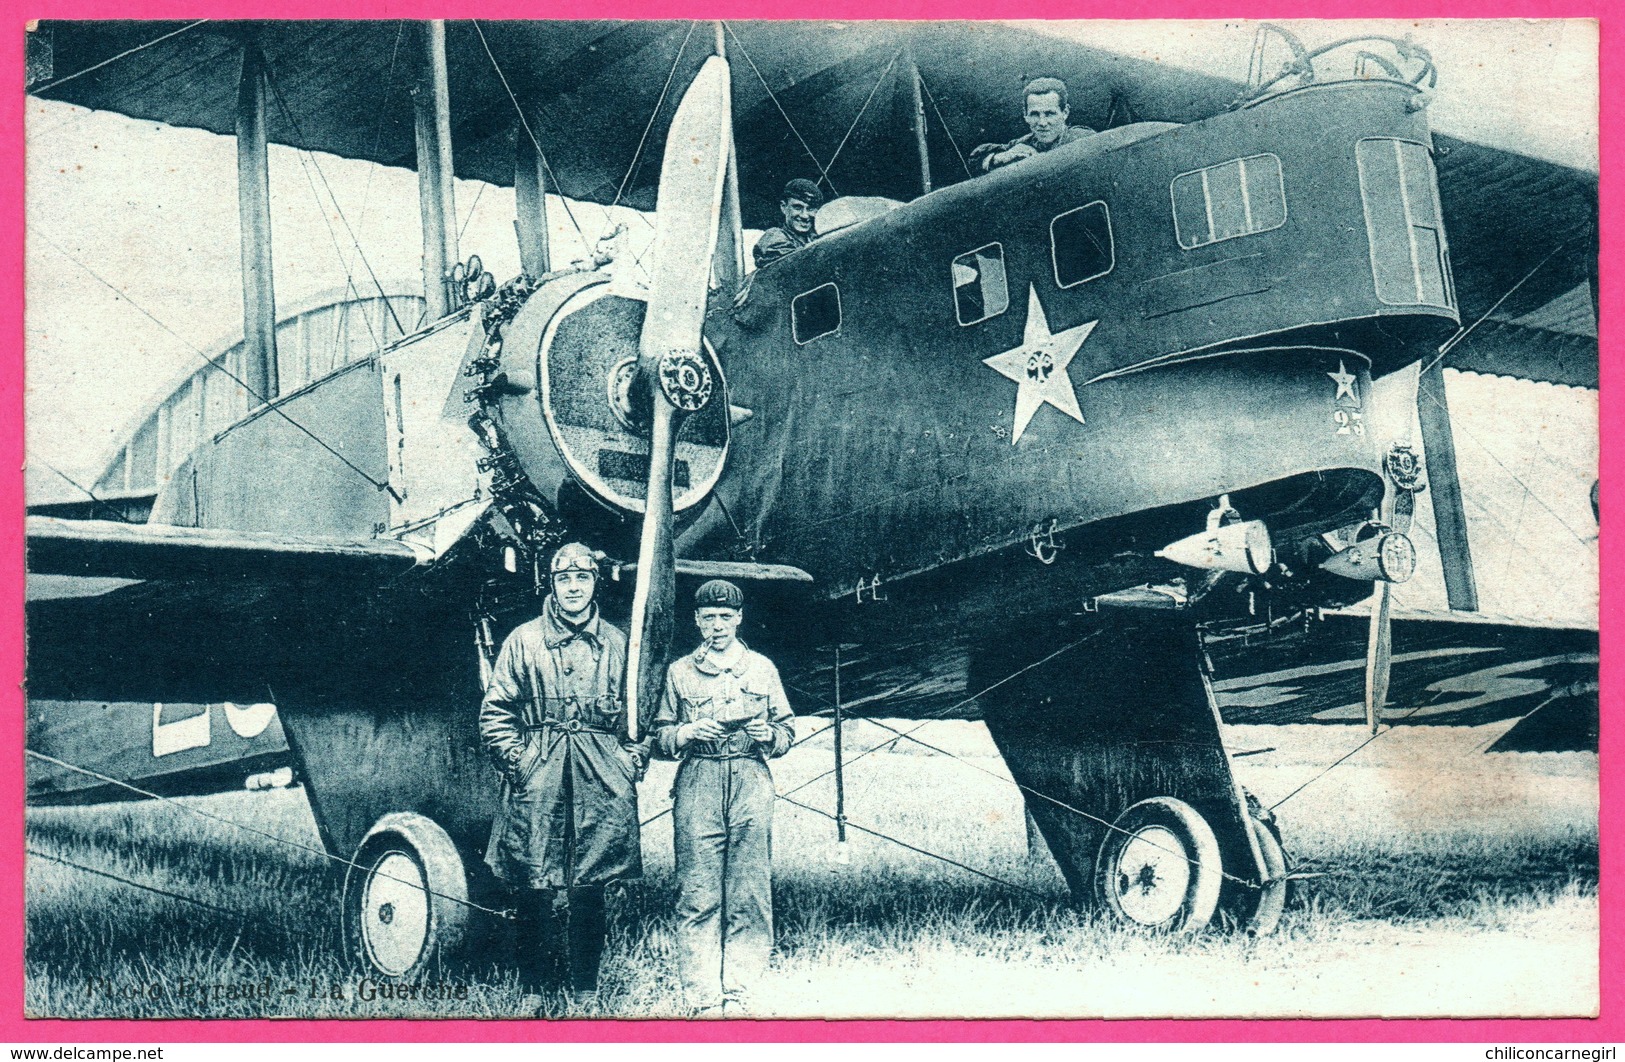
[[798, 741], [1346, 756], [1528, 491], [525, 123], [909, 735], [74, 483], [234, 824], [1450, 344], [861, 111], [951, 708], [223, 368], [49, 85], [944, 123], [475, 205], [333, 236], [1046, 797], [377, 149], [637, 154], [155, 890], [918, 850], [287, 114], [1455, 340], [782, 112]]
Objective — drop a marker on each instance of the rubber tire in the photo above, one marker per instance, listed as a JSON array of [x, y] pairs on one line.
[[1200, 846], [427, 845], [1272, 896]]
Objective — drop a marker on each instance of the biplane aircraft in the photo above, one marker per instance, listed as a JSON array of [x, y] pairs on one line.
[[1023, 443]]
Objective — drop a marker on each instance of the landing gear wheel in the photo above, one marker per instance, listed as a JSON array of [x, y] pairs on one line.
[[405, 899], [1272, 895], [1159, 867]]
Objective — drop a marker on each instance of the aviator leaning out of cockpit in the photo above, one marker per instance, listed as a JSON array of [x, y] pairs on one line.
[[1046, 111], [1044, 106]]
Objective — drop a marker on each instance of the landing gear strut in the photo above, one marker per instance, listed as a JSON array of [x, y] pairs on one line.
[[1118, 750]]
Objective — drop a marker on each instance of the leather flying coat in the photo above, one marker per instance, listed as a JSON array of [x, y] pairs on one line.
[[554, 723]]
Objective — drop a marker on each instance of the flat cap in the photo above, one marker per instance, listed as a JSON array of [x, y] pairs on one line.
[[804, 190], [719, 593]]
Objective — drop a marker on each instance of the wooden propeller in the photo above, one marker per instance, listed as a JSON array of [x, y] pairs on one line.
[[1398, 507], [687, 213]]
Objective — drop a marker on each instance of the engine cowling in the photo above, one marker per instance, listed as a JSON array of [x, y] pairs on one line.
[[571, 409]]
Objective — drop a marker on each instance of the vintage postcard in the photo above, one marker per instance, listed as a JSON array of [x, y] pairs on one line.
[[749, 519]]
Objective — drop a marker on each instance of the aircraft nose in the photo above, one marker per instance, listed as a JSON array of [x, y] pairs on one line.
[[587, 418]]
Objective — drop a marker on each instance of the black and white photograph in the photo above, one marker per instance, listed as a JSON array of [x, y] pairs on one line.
[[740, 520]]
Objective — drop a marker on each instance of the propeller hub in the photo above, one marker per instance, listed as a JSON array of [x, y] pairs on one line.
[[686, 380]]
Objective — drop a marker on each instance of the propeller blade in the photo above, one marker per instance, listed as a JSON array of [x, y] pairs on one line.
[[688, 209], [1379, 655], [654, 599], [1404, 512]]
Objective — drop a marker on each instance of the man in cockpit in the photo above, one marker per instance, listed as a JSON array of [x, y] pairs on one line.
[[799, 204], [1044, 105]]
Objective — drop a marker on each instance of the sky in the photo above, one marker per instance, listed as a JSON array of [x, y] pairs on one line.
[[1524, 85], [132, 263]]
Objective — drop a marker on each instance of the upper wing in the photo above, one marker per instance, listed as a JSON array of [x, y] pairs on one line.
[[1523, 240], [1514, 222]]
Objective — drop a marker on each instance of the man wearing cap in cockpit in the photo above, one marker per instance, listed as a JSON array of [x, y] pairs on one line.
[[554, 723], [798, 207], [724, 715]]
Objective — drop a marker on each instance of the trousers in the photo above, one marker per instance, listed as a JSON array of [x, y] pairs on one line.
[[561, 943], [722, 823]]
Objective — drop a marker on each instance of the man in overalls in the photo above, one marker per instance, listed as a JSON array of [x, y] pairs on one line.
[[554, 723], [724, 715]]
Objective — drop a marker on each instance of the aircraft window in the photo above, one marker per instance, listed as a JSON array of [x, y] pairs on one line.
[[980, 287], [1080, 244], [1409, 259], [1236, 198], [815, 313]]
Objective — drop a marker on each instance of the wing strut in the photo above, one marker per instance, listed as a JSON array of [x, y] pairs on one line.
[[435, 192], [730, 260], [259, 364], [1449, 513], [916, 119]]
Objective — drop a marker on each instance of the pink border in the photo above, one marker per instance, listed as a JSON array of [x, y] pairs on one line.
[[1609, 1027]]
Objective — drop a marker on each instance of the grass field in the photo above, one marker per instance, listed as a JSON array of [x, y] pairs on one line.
[[1453, 883]]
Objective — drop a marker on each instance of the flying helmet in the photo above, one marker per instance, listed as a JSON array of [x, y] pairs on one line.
[[574, 557]]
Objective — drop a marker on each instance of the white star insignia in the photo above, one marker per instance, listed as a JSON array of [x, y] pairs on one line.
[[1039, 366], [1344, 380]]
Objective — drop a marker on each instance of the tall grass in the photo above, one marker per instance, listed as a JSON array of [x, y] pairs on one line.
[[889, 932]]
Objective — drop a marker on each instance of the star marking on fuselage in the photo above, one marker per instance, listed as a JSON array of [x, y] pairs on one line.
[[1039, 366], [1344, 380]]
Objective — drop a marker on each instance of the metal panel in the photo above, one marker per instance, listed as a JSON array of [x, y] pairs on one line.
[[432, 457], [267, 474]]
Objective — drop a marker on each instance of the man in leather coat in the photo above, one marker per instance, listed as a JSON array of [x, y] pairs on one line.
[[554, 723]]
